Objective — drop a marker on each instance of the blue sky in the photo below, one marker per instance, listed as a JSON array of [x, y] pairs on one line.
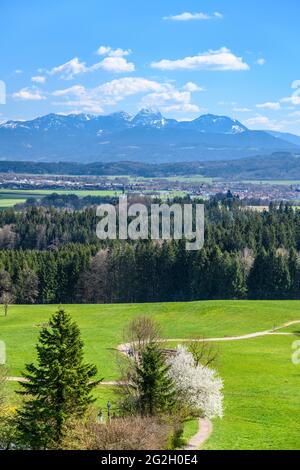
[[185, 58]]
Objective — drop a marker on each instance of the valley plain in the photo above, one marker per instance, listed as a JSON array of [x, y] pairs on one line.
[[260, 381]]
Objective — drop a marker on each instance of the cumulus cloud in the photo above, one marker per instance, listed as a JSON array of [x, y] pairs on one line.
[[190, 86], [170, 99], [273, 106], [70, 69], [187, 16], [106, 50], [263, 122], [154, 93], [113, 64], [220, 60], [38, 79], [294, 99], [261, 61], [75, 90], [29, 94], [296, 84]]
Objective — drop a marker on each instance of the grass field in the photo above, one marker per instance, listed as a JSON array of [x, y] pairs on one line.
[[9, 198], [262, 392], [5, 202], [26, 193]]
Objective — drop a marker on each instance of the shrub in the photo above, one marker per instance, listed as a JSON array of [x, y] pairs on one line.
[[132, 433], [198, 387]]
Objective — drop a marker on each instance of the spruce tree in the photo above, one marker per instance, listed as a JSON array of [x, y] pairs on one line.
[[58, 388], [155, 388]]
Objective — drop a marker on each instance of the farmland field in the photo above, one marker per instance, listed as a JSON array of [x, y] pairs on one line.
[[262, 392], [11, 197]]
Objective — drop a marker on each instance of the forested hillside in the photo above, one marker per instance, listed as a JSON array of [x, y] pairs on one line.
[[49, 255], [280, 165]]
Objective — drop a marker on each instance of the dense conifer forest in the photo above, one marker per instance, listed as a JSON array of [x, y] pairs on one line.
[[51, 255]]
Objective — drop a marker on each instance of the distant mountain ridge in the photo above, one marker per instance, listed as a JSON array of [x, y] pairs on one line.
[[146, 137], [292, 138]]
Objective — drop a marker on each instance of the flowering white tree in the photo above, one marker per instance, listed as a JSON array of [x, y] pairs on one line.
[[197, 386]]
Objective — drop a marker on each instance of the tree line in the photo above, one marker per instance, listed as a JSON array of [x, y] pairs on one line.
[[52, 256]]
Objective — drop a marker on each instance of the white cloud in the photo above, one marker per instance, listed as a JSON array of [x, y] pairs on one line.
[[119, 89], [181, 108], [75, 90], [273, 106], [106, 50], [263, 122], [190, 86], [103, 50], [27, 94], [295, 98], [187, 16], [113, 65], [170, 99], [107, 94], [261, 61], [70, 69], [241, 110], [220, 60], [296, 84], [154, 93], [38, 79]]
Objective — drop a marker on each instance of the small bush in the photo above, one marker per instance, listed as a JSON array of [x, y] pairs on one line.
[[132, 433]]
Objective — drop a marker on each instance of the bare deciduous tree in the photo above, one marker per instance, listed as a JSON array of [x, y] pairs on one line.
[[7, 238], [92, 285], [140, 332], [204, 353], [6, 299]]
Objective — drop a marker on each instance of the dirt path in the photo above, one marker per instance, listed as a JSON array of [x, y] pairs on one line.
[[205, 425], [204, 432], [125, 348]]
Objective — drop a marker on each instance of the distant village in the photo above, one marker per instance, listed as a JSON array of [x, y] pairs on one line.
[[258, 192]]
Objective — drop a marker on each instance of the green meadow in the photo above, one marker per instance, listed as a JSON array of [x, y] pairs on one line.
[[261, 384], [9, 198]]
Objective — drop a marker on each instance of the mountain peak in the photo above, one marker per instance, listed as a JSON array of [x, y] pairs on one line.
[[211, 123], [147, 136], [148, 117], [121, 115]]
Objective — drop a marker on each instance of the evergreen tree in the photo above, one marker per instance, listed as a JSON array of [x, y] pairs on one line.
[[259, 276], [58, 388], [155, 388], [294, 270]]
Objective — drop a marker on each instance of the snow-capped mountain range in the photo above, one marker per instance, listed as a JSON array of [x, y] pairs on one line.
[[148, 136]]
